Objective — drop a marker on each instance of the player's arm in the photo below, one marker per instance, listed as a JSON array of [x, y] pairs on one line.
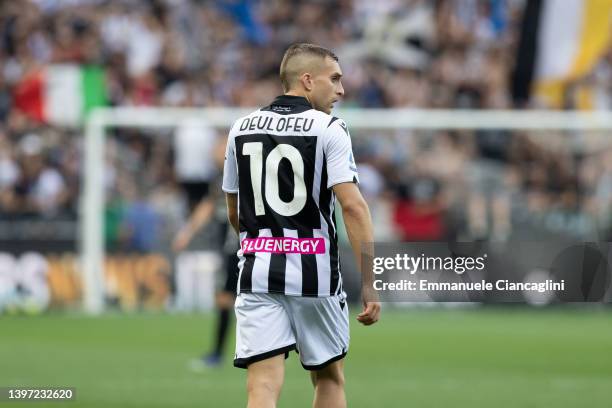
[[343, 178], [198, 219], [358, 223], [232, 210]]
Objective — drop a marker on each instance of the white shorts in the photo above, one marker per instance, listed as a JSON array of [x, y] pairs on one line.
[[269, 324]]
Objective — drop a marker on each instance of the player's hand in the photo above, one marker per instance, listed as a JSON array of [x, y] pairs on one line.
[[371, 307], [181, 240]]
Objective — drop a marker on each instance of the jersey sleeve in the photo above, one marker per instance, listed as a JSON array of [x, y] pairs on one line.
[[341, 167], [230, 166]]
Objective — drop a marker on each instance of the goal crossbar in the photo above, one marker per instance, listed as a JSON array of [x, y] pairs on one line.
[[92, 193]]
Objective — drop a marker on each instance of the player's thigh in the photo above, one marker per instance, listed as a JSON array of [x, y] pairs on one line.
[[224, 300], [266, 375], [263, 329], [321, 329]]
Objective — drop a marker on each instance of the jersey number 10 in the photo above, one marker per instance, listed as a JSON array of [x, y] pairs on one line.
[[282, 151]]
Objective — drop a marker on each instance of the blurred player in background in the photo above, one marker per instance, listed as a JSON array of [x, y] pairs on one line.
[[212, 207], [285, 164], [194, 144]]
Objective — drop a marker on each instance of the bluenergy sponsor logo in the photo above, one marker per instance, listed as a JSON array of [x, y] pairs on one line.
[[283, 245]]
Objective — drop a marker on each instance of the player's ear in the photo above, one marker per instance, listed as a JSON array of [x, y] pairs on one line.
[[306, 80]]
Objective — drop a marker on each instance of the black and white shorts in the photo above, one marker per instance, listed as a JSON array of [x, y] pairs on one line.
[[269, 324]]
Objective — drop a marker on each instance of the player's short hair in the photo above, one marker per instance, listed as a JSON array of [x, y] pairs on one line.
[[289, 71]]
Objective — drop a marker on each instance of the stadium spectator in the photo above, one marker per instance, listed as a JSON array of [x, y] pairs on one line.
[[420, 54]]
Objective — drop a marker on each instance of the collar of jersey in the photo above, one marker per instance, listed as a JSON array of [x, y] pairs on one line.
[[291, 100]]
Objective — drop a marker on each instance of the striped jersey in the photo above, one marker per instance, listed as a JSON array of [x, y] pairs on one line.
[[283, 161]]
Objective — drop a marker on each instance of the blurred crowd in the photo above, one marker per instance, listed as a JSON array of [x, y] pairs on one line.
[[394, 53]]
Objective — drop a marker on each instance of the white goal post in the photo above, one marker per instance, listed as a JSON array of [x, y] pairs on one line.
[[92, 193]]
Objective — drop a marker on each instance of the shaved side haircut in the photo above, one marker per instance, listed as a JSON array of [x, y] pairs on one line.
[[300, 58]]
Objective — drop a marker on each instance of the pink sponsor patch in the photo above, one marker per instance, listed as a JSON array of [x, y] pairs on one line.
[[283, 245]]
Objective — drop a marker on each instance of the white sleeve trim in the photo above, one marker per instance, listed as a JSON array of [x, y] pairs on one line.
[[342, 180]]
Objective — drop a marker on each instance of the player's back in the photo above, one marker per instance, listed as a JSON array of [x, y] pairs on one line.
[[282, 161]]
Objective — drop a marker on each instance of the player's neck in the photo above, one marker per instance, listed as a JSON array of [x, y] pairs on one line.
[[298, 93]]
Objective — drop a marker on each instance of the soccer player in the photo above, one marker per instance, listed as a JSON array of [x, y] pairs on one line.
[[212, 206], [285, 166]]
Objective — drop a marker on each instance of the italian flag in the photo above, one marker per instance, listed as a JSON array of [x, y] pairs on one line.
[[61, 94]]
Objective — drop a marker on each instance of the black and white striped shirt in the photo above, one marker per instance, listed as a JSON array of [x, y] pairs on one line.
[[282, 161]]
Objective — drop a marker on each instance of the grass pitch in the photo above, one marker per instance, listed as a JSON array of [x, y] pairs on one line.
[[492, 357]]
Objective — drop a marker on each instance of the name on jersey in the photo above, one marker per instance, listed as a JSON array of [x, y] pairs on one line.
[[282, 124], [283, 245]]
